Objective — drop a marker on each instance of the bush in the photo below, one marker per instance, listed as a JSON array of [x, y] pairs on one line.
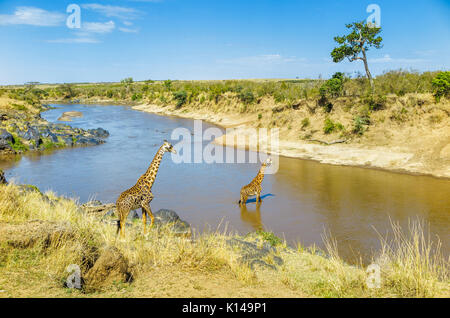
[[305, 122], [180, 97], [136, 96], [247, 97], [441, 85], [334, 86], [377, 102], [329, 126], [360, 124]]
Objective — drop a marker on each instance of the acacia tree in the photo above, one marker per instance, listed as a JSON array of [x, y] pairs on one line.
[[355, 44]]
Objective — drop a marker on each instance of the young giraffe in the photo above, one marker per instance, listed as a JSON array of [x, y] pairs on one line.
[[140, 195], [254, 187]]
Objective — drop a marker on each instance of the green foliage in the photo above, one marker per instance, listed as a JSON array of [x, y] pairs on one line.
[[360, 124], [127, 81], [136, 96], [305, 122], [377, 102], [180, 97], [334, 86], [66, 91], [329, 126], [441, 85], [18, 145], [362, 37], [168, 84], [246, 97], [269, 237]]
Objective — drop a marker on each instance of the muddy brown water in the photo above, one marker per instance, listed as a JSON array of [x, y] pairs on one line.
[[301, 202]]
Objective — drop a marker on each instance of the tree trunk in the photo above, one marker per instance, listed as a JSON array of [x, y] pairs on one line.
[[366, 66]]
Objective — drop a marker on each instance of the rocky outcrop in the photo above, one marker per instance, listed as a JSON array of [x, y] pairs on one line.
[[19, 133]]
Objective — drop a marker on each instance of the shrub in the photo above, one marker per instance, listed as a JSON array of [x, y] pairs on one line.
[[329, 126], [360, 124], [168, 84], [180, 97], [247, 97], [377, 102], [441, 85], [334, 86], [305, 122]]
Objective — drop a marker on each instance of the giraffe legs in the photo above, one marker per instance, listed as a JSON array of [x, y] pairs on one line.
[[122, 219], [258, 198], [243, 200], [144, 220], [147, 211]]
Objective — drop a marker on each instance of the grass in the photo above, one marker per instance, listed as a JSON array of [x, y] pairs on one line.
[[164, 265]]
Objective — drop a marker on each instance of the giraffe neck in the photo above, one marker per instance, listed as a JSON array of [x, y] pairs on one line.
[[150, 174], [260, 176]]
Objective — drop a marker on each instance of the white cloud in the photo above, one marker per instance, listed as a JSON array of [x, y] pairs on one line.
[[32, 16], [75, 40], [98, 27], [388, 59], [113, 11], [128, 30], [262, 59]]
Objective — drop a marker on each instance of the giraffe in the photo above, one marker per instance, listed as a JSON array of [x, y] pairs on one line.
[[254, 187], [140, 195]]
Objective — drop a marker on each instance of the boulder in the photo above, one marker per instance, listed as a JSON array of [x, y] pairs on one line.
[[111, 267], [165, 217], [99, 132], [87, 141], [6, 139]]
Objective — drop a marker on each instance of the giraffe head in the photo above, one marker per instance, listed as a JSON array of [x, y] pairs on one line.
[[167, 147], [267, 163]]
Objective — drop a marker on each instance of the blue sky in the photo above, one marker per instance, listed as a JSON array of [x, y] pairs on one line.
[[210, 39]]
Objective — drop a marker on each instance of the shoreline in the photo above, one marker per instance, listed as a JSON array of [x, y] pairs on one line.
[[342, 154]]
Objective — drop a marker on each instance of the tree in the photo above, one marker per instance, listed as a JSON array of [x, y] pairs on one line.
[[127, 82], [355, 44], [441, 85]]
